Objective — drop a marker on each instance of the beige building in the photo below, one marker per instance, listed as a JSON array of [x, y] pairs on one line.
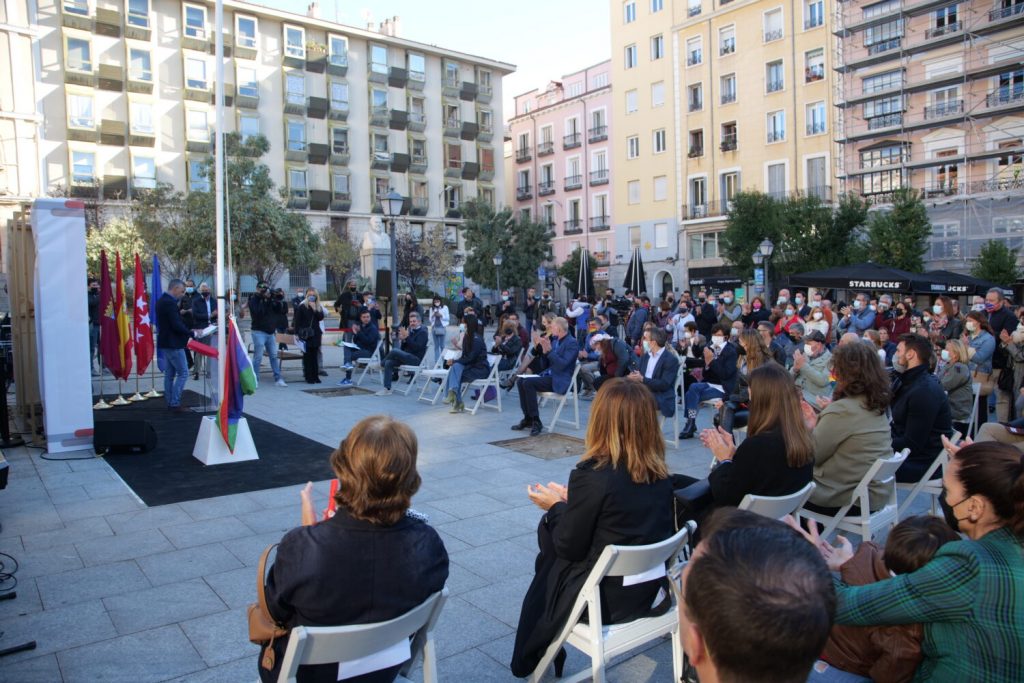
[[127, 91]]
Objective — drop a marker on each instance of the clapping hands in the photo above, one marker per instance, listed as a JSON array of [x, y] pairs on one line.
[[834, 556], [546, 496], [719, 442]]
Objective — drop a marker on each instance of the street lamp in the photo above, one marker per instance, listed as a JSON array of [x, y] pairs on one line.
[[758, 261], [498, 258], [766, 248], [392, 203]]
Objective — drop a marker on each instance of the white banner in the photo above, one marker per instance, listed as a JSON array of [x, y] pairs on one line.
[[62, 323]]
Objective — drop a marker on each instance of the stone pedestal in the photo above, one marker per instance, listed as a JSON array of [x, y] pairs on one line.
[[375, 252]]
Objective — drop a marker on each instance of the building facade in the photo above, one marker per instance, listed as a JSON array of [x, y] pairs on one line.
[[560, 166], [127, 89], [930, 96]]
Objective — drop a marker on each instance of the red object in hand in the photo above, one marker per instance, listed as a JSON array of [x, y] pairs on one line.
[[332, 504], [204, 349]]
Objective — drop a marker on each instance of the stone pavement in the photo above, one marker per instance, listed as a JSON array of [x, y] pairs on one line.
[[114, 591]]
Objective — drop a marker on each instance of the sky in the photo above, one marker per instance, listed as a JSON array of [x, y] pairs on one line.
[[544, 39]]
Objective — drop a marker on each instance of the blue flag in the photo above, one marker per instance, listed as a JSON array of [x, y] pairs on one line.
[[156, 289]]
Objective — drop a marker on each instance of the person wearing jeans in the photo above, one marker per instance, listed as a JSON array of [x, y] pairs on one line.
[[413, 342], [365, 335], [719, 377], [175, 377], [266, 309], [172, 337], [438, 320]]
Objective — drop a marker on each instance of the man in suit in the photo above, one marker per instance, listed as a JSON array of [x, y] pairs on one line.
[[412, 346], [172, 336], [561, 351], [365, 335], [658, 370]]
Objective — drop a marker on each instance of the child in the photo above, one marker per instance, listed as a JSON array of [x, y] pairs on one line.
[[887, 653]]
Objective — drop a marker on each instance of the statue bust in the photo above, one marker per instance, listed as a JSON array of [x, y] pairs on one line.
[[375, 237]]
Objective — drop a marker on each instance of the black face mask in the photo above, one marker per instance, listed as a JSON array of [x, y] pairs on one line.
[[351, 289], [948, 511]]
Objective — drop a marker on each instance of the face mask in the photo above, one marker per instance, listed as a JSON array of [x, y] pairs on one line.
[[351, 289], [206, 295], [310, 298], [462, 327], [857, 305], [733, 332], [815, 304], [783, 300], [712, 302], [504, 298], [817, 315], [687, 335], [233, 297], [989, 307], [546, 297], [881, 355], [799, 301], [945, 355], [718, 342], [972, 327], [757, 305], [949, 511], [898, 366], [883, 307], [872, 308], [808, 350], [189, 290], [978, 307], [647, 347], [937, 309], [790, 312], [727, 300]]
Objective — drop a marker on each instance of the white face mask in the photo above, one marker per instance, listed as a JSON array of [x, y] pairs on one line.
[[978, 307], [687, 335], [815, 304], [808, 350], [647, 346], [799, 301], [783, 300], [872, 308], [858, 304], [937, 309], [945, 355], [789, 312], [462, 327], [726, 300], [718, 341], [733, 332], [817, 315], [972, 326]]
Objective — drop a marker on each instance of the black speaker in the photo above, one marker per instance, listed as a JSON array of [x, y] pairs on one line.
[[383, 289], [125, 436]]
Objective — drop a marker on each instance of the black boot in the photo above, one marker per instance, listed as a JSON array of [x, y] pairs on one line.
[[522, 424], [690, 430], [537, 427]]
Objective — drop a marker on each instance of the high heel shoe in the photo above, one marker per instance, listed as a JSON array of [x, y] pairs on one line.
[[559, 662]]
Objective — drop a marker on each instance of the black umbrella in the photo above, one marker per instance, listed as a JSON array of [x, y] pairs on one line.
[[858, 276], [585, 278], [966, 284], [636, 279]]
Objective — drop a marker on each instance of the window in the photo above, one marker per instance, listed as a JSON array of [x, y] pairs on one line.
[[378, 58], [693, 8], [195, 73], [248, 126], [727, 40], [379, 146], [631, 56], [80, 111], [523, 180], [83, 167], [485, 119], [632, 147], [880, 8], [629, 12], [451, 116], [80, 7], [884, 180], [198, 127], [817, 177], [1011, 88], [297, 182], [452, 74], [660, 235], [704, 246], [945, 20], [295, 88], [295, 41], [657, 47], [138, 13], [452, 197], [296, 135], [339, 95], [659, 141], [633, 192], [143, 172], [730, 186], [883, 81], [599, 162], [247, 84], [696, 143], [945, 177], [197, 180], [140, 116], [339, 182], [453, 155], [140, 65], [727, 87], [600, 81], [79, 53], [776, 125], [417, 66], [694, 51], [695, 96], [660, 188], [884, 112], [245, 31], [773, 76], [814, 65], [338, 50], [417, 149], [657, 5], [379, 101], [634, 236], [773, 25], [729, 136], [698, 199], [883, 37], [195, 22], [486, 157], [945, 102], [658, 94], [814, 13], [816, 122], [631, 101], [777, 181], [339, 140]]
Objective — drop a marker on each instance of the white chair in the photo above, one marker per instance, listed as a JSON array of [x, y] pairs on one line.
[[602, 642], [570, 393], [675, 418], [932, 487], [867, 523], [972, 426], [777, 507], [482, 384], [371, 363], [417, 369], [330, 644], [506, 374]]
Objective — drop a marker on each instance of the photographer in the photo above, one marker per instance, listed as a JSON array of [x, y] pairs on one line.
[[530, 309], [185, 309], [267, 310], [94, 327], [610, 306], [282, 316]]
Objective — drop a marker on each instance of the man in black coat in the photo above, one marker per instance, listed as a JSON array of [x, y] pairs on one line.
[[658, 370], [94, 326], [366, 335], [412, 346], [172, 336], [1004, 323], [266, 309], [920, 409]]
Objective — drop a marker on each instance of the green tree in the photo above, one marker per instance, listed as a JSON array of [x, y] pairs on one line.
[[118, 236], [997, 263], [340, 256], [753, 217], [570, 270], [898, 237], [524, 245], [173, 226], [423, 257]]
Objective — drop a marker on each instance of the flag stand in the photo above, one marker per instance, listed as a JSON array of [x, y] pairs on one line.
[[101, 404], [153, 393], [119, 401], [136, 396]]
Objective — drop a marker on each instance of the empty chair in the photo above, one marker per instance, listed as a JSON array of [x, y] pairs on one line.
[[571, 394], [777, 507], [929, 483]]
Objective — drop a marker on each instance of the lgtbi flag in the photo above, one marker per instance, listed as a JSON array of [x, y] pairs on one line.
[[239, 380]]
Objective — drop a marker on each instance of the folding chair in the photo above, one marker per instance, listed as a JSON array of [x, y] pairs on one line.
[[481, 384], [505, 374], [777, 507], [372, 363], [572, 393], [867, 522], [675, 418], [438, 372], [932, 487], [602, 642], [972, 426], [330, 644], [417, 369]]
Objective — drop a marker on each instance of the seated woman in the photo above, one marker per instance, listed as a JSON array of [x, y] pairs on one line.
[[323, 574], [614, 359], [955, 378], [852, 432], [753, 354], [507, 344], [619, 494], [691, 354], [471, 365], [969, 597]]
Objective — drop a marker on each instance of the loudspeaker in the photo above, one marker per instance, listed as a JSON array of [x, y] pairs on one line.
[[126, 436], [383, 288]]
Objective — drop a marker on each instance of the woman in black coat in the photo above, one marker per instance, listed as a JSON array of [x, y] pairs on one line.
[[371, 562], [306, 321], [471, 365], [619, 494]]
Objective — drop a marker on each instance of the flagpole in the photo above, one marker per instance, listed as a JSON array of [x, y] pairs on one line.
[[153, 393], [219, 182], [137, 396], [120, 400], [101, 404]]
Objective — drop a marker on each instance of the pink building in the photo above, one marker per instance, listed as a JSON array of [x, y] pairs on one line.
[[560, 163]]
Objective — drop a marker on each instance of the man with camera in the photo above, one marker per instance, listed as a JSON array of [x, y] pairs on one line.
[[266, 308]]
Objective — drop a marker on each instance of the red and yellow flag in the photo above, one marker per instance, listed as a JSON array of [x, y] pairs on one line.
[[124, 333]]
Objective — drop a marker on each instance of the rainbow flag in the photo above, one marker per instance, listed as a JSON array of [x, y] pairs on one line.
[[239, 380]]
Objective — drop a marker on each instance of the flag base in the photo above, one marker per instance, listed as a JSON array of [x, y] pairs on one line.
[[119, 401], [210, 448], [136, 397], [153, 393], [101, 405]]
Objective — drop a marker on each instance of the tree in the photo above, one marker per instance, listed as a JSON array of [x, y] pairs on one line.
[[173, 226], [340, 256], [570, 270], [524, 245], [898, 237], [118, 236], [753, 217], [997, 263], [422, 256]]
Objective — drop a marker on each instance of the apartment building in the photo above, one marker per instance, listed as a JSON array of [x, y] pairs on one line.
[[127, 89], [930, 95], [561, 168]]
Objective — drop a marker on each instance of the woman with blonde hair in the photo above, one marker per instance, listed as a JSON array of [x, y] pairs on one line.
[[955, 378], [306, 323], [753, 354], [618, 494]]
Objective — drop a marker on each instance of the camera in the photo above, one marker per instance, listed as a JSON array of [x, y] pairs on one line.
[[278, 294]]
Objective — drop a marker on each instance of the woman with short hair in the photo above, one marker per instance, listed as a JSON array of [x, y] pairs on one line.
[[955, 378], [306, 322]]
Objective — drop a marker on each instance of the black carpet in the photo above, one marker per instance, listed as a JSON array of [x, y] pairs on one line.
[[170, 474]]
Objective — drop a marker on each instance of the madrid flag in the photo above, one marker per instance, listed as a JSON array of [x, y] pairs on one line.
[[143, 324], [124, 333], [109, 348]]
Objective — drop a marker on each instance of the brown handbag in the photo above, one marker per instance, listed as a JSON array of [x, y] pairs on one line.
[[262, 627]]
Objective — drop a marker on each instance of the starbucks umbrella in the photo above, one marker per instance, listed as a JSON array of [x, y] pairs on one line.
[[636, 279], [585, 278]]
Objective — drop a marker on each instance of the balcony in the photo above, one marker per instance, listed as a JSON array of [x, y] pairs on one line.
[[603, 258], [319, 153], [484, 93], [199, 91], [316, 58], [298, 198], [377, 73], [945, 109], [419, 206], [338, 110], [317, 107], [692, 10], [694, 105], [140, 81], [572, 141], [399, 119], [728, 143], [85, 130], [597, 134], [486, 133], [524, 192], [469, 131], [248, 96], [75, 14], [572, 227], [319, 200], [397, 77], [295, 150], [695, 152], [380, 160], [417, 121], [246, 47], [816, 128], [141, 137], [776, 136], [468, 91], [115, 187], [599, 223], [728, 97], [885, 121], [196, 39], [450, 86], [198, 145], [727, 48], [418, 163], [400, 162], [470, 170], [1001, 13], [1000, 97], [523, 154], [814, 73], [113, 132], [453, 211], [770, 36], [379, 115], [545, 188], [337, 65], [452, 127], [938, 31], [295, 103], [486, 173], [229, 95], [110, 77], [545, 148], [573, 182], [80, 74], [453, 168], [884, 46], [775, 85], [108, 22], [693, 59], [417, 79], [599, 177], [341, 201]]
